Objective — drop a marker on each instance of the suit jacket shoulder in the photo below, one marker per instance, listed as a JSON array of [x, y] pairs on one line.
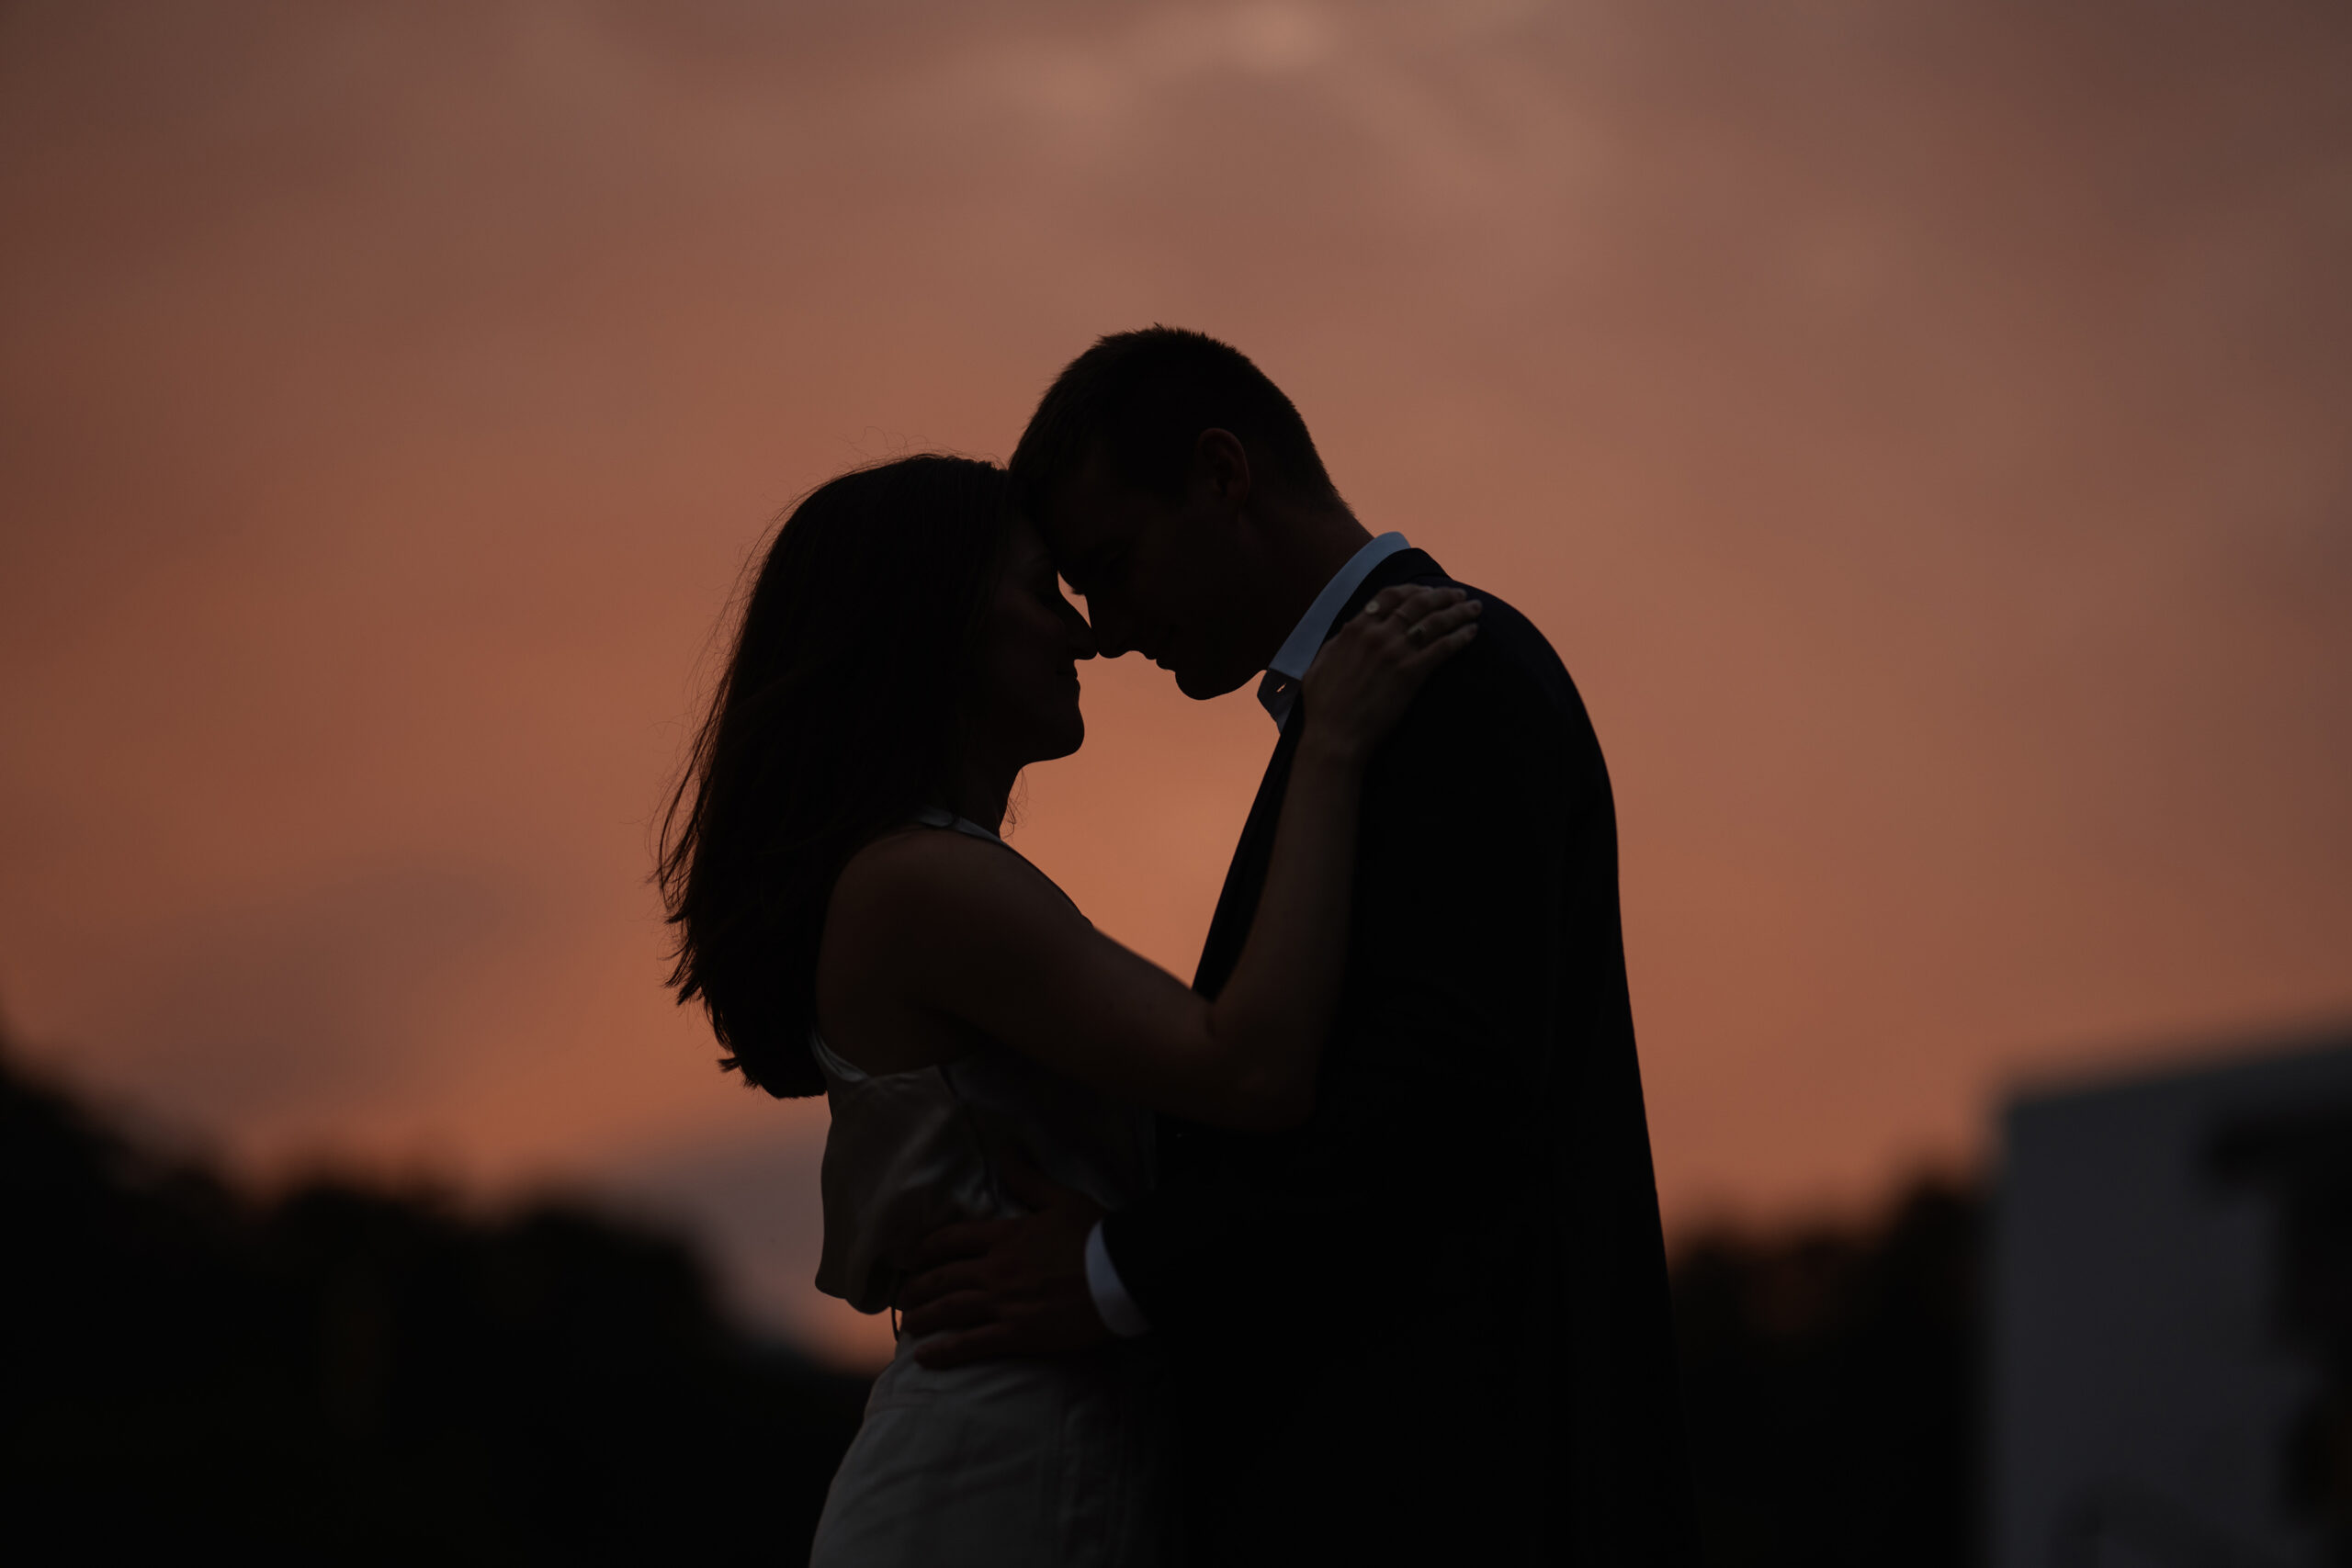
[[1509, 686]]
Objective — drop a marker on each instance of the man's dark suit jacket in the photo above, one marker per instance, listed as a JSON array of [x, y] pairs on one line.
[[1432, 1322]]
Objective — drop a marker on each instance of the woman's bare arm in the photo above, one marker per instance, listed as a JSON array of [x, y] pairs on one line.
[[969, 939]]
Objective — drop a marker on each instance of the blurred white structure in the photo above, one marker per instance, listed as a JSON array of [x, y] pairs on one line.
[[2171, 1294]]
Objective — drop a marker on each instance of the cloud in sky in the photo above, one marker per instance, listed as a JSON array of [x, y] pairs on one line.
[[1920, 428]]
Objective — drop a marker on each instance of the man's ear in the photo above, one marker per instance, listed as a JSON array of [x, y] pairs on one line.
[[1221, 465]]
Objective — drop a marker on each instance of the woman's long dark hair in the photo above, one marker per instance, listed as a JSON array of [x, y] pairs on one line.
[[834, 721]]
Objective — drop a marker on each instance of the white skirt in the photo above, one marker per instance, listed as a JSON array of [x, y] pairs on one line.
[[1025, 1462]]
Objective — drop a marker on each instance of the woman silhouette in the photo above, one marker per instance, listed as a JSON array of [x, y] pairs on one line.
[[853, 926]]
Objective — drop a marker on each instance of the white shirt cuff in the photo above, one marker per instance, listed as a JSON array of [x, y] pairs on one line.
[[1119, 1313]]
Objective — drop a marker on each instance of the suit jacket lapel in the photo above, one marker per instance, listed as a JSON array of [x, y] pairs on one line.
[[1245, 876]]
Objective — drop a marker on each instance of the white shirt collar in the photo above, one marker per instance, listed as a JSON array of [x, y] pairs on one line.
[[1278, 690]]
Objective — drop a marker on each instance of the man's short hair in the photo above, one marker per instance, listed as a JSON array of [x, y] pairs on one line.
[[1142, 398]]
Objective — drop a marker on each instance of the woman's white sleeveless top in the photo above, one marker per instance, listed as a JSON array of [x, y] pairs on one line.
[[1032, 1461]]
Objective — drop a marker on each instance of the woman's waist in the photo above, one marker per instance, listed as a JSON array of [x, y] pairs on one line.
[[879, 1214], [1120, 1371]]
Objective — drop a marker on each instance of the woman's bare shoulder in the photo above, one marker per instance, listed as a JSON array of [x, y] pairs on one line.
[[915, 875], [889, 945]]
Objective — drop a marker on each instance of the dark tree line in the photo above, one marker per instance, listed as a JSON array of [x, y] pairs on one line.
[[357, 1376], [349, 1376], [1830, 1380]]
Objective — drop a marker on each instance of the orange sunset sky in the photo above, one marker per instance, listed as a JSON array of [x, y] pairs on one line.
[[1925, 430]]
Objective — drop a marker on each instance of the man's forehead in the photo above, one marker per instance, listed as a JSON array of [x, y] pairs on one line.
[[1088, 509]]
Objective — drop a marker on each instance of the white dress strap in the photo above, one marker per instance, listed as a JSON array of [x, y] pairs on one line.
[[833, 1061], [938, 817]]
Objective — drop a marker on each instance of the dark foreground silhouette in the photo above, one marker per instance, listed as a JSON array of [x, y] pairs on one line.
[[352, 1376], [1830, 1383]]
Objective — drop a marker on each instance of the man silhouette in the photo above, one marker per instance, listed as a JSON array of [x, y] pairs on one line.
[[1431, 1323]]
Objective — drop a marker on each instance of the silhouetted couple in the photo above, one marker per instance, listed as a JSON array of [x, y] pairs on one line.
[[1349, 1252]]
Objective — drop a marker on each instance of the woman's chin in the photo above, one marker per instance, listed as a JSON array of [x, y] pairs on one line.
[[1066, 738]]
